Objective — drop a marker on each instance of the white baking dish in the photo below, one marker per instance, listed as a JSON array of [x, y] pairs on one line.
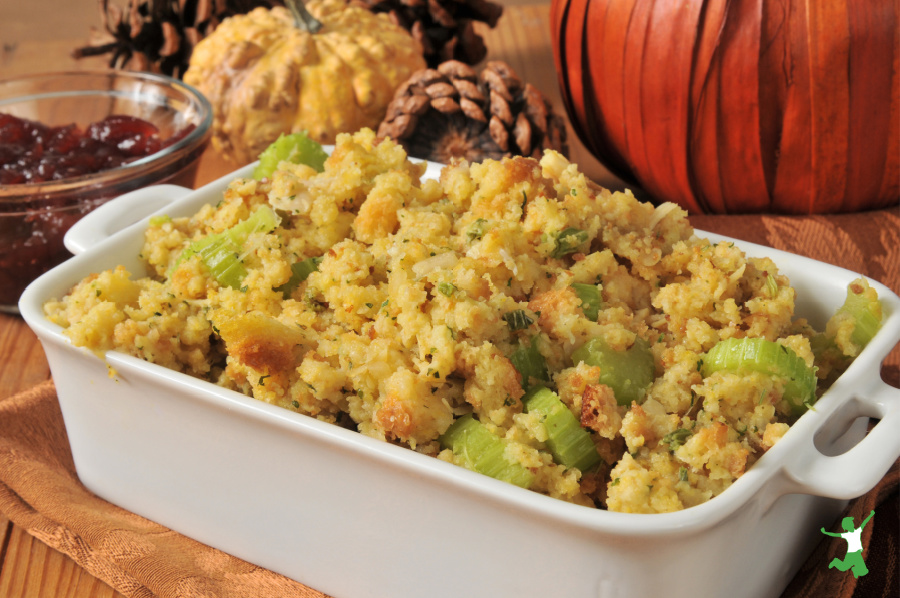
[[353, 517]]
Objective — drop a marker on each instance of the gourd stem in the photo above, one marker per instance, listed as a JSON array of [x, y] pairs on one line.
[[302, 17]]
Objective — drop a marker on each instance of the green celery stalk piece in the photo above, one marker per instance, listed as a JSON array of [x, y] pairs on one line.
[[297, 148], [628, 373], [221, 252], [481, 450], [865, 311], [529, 362], [739, 355], [300, 271], [222, 258], [591, 301], [570, 444], [262, 219]]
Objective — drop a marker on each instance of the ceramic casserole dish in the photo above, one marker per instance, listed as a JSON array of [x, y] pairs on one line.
[[354, 517]]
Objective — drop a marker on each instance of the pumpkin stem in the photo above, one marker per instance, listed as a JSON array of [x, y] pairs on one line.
[[302, 17]]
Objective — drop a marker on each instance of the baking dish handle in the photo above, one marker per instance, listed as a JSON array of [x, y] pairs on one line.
[[118, 214], [858, 470]]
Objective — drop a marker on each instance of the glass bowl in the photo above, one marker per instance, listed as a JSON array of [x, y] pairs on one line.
[[34, 217]]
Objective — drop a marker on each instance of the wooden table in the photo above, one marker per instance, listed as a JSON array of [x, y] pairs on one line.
[[38, 37]]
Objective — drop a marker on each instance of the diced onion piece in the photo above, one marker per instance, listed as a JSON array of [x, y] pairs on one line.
[[442, 261], [739, 355], [569, 443], [661, 211]]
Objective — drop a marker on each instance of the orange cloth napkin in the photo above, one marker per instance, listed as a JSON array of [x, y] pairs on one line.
[[40, 491]]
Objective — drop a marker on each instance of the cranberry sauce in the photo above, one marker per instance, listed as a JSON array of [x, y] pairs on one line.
[[32, 152]]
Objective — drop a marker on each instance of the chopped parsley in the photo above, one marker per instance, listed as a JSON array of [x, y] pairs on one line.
[[518, 319], [477, 230], [677, 438], [446, 288], [568, 241]]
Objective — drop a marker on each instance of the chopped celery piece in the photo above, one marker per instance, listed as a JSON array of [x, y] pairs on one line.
[[529, 362], [771, 286], [739, 355], [863, 306], [568, 241], [262, 219], [296, 148], [570, 444], [221, 252], [590, 299], [481, 450], [300, 271], [628, 373], [222, 258]]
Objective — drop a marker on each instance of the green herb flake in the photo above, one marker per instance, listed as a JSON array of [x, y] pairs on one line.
[[477, 230], [446, 288], [568, 241], [518, 319], [677, 438], [683, 474]]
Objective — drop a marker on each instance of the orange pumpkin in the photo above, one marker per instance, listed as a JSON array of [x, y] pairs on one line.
[[784, 106]]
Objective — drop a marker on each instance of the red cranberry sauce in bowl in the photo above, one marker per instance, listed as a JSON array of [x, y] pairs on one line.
[[69, 142]]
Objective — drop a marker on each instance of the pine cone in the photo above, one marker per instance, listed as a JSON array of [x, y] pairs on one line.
[[443, 27], [453, 112], [159, 35]]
